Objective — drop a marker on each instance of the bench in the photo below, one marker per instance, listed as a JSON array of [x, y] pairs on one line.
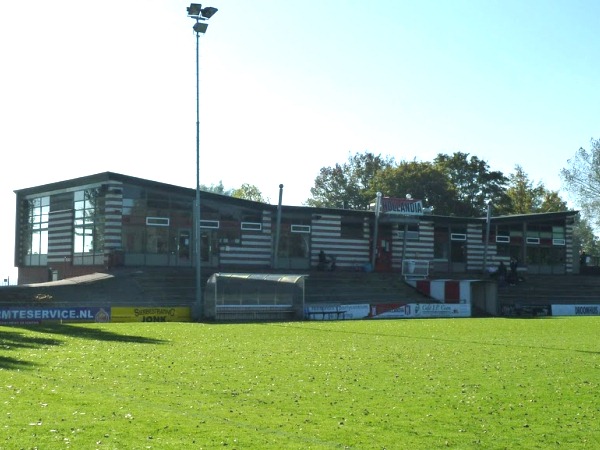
[[326, 312], [254, 312]]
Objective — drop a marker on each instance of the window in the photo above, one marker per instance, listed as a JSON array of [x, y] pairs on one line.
[[458, 244], [88, 230], [251, 226], [157, 221], [440, 243], [300, 228], [157, 239], [291, 244], [352, 228], [229, 231], [412, 232], [36, 247], [558, 236], [209, 224]]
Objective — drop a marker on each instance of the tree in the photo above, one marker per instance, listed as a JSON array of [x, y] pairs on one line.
[[582, 180], [216, 189], [249, 192], [474, 183], [422, 180], [585, 237], [348, 185], [527, 198], [521, 192], [552, 202]]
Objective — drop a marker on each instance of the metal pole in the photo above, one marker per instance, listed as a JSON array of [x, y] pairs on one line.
[[199, 306], [374, 250], [487, 235], [278, 229]]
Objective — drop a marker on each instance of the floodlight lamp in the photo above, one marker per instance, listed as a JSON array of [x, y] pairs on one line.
[[200, 27], [208, 12], [194, 9]]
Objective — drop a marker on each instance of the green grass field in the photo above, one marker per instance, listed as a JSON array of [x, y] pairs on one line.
[[393, 384]]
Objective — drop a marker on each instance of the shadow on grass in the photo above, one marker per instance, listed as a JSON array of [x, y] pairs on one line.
[[15, 340], [457, 341], [7, 363], [95, 334]]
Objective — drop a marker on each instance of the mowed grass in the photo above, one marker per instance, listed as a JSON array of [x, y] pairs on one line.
[[415, 384]]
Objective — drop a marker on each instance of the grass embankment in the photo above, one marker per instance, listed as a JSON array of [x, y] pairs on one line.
[[468, 383]]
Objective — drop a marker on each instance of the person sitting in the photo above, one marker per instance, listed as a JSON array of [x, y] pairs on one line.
[[325, 262], [322, 265], [513, 276], [501, 269], [501, 272]]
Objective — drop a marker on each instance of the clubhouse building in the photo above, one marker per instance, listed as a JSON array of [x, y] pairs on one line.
[[108, 220]]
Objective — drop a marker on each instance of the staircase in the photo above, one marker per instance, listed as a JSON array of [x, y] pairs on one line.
[[176, 287], [540, 290], [147, 287], [359, 287]]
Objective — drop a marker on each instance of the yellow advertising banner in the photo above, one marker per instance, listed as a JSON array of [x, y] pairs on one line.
[[150, 314]]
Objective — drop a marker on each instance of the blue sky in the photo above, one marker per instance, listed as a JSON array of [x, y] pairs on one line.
[[290, 87]]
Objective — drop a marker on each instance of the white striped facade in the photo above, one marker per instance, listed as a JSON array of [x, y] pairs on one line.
[[327, 236], [569, 257], [347, 235], [420, 249], [475, 247], [113, 214], [60, 236], [254, 249]]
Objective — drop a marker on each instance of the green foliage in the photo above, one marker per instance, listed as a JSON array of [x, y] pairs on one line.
[[527, 198], [457, 184], [422, 180], [473, 182], [585, 238], [216, 188], [453, 185], [348, 185], [420, 384], [582, 180], [249, 192], [245, 191]]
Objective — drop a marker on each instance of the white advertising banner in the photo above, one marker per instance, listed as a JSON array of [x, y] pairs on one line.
[[337, 312], [575, 310], [422, 311]]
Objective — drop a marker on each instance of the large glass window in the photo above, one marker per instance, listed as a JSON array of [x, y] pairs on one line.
[[88, 230], [293, 244], [450, 243], [36, 238], [158, 239], [156, 223]]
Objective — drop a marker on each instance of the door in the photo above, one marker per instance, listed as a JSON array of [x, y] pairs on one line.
[[209, 254], [184, 243], [383, 257]]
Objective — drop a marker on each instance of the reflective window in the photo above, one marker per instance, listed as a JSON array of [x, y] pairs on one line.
[[154, 222], [88, 226], [36, 237]]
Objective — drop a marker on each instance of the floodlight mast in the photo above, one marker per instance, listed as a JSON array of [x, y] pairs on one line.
[[195, 11]]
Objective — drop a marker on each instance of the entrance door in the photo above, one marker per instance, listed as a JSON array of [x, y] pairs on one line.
[[184, 242], [383, 257], [208, 248]]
